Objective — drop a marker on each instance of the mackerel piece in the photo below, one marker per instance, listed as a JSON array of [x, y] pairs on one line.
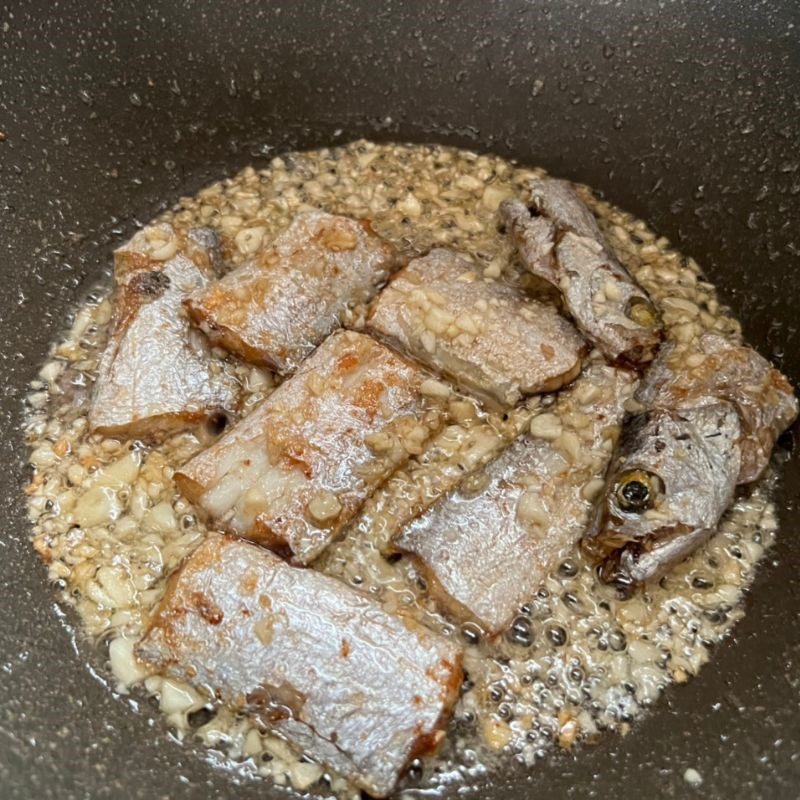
[[326, 668], [157, 375], [484, 335], [295, 471], [275, 309]]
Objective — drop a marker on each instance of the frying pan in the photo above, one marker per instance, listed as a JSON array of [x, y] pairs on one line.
[[685, 113]]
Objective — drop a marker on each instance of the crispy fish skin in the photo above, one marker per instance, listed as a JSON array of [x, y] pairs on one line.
[[711, 417], [299, 466], [559, 240], [275, 309], [359, 689], [157, 375], [484, 335], [486, 551]]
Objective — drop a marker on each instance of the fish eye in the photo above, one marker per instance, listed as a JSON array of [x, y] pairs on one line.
[[636, 490], [642, 311]]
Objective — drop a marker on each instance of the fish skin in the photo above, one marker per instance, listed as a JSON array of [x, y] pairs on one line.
[[562, 243], [310, 439], [481, 560], [326, 668], [277, 307], [157, 375], [518, 346], [762, 396], [694, 452], [704, 428]]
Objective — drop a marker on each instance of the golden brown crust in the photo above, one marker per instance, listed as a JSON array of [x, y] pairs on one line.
[[223, 336], [191, 489], [274, 309], [155, 427]]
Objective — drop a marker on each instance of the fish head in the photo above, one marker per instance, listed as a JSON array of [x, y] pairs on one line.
[[671, 479]]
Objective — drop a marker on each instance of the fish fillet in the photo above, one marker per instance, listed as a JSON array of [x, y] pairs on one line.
[[326, 668], [295, 471], [275, 309], [484, 335], [157, 374], [487, 549]]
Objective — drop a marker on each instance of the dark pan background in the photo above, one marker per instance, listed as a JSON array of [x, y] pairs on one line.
[[686, 113]]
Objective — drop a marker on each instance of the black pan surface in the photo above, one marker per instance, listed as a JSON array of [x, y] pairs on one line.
[[686, 113]]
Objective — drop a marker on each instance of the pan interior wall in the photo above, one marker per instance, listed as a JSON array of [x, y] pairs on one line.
[[683, 116]]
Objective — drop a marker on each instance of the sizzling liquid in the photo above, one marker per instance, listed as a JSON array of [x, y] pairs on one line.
[[578, 659]]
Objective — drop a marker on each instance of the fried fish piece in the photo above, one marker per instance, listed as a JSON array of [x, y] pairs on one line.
[[710, 418], [484, 335], [275, 309], [298, 467], [157, 374], [487, 546], [319, 664], [719, 370], [672, 479], [558, 239]]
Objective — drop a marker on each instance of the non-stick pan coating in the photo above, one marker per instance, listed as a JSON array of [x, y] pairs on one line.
[[685, 113]]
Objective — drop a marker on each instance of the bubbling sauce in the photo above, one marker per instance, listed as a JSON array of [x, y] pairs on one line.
[[578, 658]]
